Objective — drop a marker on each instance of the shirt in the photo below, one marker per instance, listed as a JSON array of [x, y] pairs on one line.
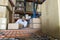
[[20, 21]]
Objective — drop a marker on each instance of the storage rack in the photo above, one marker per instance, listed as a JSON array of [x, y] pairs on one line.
[[33, 13]]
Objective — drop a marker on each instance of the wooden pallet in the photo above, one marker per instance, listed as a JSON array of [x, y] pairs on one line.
[[27, 32], [14, 34]]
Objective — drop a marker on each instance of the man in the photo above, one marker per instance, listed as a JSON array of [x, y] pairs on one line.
[[22, 22]]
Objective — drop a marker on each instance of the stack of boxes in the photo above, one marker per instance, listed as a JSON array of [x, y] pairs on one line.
[[3, 23], [6, 8], [39, 8], [16, 16], [20, 6], [29, 6], [35, 23]]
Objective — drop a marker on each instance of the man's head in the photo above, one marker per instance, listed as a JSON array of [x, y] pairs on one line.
[[20, 17]]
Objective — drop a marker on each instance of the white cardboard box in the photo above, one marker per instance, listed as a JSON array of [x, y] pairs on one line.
[[4, 12], [13, 26], [35, 20], [35, 25], [3, 20], [6, 3], [2, 26]]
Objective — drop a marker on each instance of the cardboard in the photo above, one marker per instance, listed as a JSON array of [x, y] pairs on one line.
[[35, 25], [5, 11], [3, 26], [3, 23], [36, 20], [2, 11], [3, 2], [3, 20], [29, 6], [14, 26], [6, 3]]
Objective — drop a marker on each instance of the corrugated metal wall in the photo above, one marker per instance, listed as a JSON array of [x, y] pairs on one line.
[[50, 18]]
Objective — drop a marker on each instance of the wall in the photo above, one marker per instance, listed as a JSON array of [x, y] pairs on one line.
[[50, 18], [53, 18], [59, 16], [44, 17]]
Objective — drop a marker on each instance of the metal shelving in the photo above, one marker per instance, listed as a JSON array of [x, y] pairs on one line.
[[23, 10]]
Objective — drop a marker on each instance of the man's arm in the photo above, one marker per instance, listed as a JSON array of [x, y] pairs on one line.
[[25, 25]]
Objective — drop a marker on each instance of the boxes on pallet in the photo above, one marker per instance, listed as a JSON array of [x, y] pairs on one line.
[[6, 3], [3, 12], [16, 15], [3, 20], [29, 6], [36, 20], [14, 26], [21, 4], [35, 23], [3, 26], [3, 2], [20, 9], [3, 23]]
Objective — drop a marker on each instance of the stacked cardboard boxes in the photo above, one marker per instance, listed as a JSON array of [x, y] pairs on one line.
[[35, 23], [20, 6], [2, 11], [3, 17], [3, 2], [13, 26], [6, 3], [3, 23], [6, 8], [29, 6]]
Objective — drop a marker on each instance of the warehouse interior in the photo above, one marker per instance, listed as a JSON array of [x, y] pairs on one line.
[[42, 19]]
